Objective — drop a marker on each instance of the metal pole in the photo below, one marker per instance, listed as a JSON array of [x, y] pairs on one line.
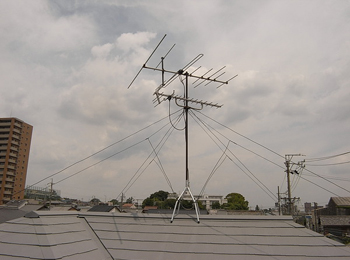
[[290, 210], [279, 201], [186, 131]]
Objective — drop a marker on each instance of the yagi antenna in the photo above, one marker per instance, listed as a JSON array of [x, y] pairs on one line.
[[147, 61], [184, 101]]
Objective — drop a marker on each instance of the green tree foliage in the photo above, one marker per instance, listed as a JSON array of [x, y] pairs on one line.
[[160, 195], [115, 201], [159, 199], [235, 201], [216, 205], [130, 200]]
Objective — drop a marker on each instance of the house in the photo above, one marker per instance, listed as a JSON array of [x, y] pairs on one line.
[[339, 206], [336, 225], [105, 235], [335, 218], [129, 207]]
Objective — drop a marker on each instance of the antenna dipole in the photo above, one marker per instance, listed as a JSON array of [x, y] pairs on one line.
[[161, 96]]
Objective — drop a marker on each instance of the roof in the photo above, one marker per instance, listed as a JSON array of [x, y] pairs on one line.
[[102, 208], [341, 201], [8, 213], [335, 220], [96, 235]]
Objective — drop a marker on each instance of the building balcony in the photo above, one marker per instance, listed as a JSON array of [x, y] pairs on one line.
[[11, 167], [4, 142], [12, 154], [17, 130], [10, 180], [9, 186], [18, 124], [10, 174], [14, 148], [4, 135], [5, 124], [13, 141], [12, 161], [8, 192]]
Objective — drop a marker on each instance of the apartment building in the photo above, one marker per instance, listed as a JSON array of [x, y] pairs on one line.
[[15, 139]]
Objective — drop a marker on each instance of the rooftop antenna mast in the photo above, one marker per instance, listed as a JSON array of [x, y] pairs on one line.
[[183, 101]]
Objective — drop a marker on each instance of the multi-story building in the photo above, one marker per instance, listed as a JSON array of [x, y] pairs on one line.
[[15, 139]]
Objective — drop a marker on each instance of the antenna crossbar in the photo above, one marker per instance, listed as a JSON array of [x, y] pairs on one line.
[[195, 101], [181, 72]]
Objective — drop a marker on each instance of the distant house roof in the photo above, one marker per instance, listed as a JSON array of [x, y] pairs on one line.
[[150, 207], [129, 205], [341, 201], [102, 208], [12, 212], [96, 235]]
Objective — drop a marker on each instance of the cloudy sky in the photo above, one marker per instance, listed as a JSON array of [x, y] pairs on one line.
[[66, 65]]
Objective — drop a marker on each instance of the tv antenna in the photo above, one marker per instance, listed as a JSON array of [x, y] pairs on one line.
[[184, 101]]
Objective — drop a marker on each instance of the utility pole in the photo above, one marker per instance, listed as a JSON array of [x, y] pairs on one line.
[[288, 163], [51, 185], [279, 200]]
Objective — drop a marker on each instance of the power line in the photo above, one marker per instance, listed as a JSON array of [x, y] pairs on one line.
[[326, 180], [326, 157], [110, 156], [93, 154], [243, 136], [137, 175], [235, 143], [328, 164], [267, 189], [319, 186]]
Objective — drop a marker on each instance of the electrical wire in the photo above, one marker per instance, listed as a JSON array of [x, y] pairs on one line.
[[180, 129], [326, 157], [320, 186], [138, 173], [111, 155], [95, 153], [216, 167], [242, 135], [256, 179], [235, 143], [160, 165], [328, 164], [326, 180]]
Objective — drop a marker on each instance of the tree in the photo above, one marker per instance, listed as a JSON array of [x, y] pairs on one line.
[[130, 200], [257, 208], [160, 195], [115, 201], [169, 204], [236, 201], [148, 202], [216, 205]]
